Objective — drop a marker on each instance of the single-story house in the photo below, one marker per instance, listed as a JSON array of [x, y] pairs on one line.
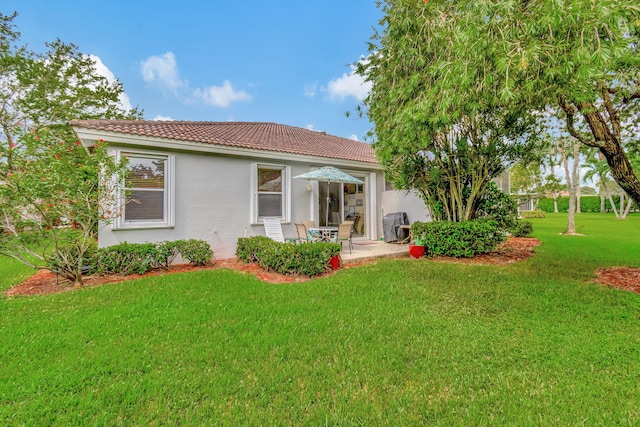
[[216, 181]]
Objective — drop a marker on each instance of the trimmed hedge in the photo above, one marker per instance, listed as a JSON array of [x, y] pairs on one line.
[[308, 259], [587, 204], [458, 239], [129, 258], [522, 229], [533, 214], [197, 252]]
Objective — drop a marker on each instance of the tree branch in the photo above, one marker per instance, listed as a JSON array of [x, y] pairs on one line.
[[570, 112], [613, 115]]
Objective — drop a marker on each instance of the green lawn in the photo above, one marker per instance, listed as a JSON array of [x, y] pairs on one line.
[[399, 342]]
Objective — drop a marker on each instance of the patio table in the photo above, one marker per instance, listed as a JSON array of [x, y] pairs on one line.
[[325, 234]]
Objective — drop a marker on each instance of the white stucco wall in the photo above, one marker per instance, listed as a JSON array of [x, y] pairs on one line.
[[401, 201], [213, 202]]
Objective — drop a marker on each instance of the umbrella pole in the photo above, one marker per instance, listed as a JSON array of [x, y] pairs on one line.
[[326, 221]]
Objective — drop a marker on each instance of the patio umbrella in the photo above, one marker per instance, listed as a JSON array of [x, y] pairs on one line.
[[329, 174]]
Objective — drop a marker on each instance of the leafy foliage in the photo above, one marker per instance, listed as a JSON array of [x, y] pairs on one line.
[[533, 214], [308, 259], [197, 252], [499, 207], [51, 183], [249, 248], [129, 258], [458, 239], [439, 65], [522, 229], [428, 140]]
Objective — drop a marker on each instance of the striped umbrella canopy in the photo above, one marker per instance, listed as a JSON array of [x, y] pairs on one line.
[[329, 174]]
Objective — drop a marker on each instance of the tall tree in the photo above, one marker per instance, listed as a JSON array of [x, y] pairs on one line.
[[438, 61], [444, 149], [569, 148], [50, 200]]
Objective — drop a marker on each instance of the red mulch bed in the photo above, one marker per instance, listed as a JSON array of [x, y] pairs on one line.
[[514, 249], [620, 277]]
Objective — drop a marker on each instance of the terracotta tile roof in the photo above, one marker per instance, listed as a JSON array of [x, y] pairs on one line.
[[250, 135]]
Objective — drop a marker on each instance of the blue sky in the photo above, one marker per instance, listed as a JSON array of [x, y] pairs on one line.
[[281, 61]]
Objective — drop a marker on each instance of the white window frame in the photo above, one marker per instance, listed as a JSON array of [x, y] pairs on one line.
[[286, 191], [169, 191]]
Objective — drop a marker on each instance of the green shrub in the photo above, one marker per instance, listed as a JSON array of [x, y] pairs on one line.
[[458, 239], [196, 251], [315, 256], [533, 214], [499, 207], [248, 248], [522, 229], [308, 259], [281, 258], [129, 258]]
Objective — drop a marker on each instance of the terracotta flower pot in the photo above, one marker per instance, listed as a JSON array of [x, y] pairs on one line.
[[416, 251], [335, 262]]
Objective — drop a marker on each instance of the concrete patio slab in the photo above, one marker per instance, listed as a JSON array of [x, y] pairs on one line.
[[365, 250]]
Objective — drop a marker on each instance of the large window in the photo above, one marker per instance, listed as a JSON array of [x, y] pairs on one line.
[[270, 192], [148, 191]]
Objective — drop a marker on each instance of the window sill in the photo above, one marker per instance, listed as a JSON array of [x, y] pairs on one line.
[[142, 226]]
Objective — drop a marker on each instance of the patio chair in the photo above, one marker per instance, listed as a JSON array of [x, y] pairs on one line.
[[344, 234], [352, 224], [273, 230], [335, 218], [309, 224], [303, 233]]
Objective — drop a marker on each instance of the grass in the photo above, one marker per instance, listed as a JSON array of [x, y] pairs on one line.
[[399, 342], [12, 272]]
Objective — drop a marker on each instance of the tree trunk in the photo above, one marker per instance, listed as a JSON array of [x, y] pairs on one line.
[[628, 208], [571, 218], [621, 209], [576, 174], [613, 206], [602, 203], [555, 204], [610, 146]]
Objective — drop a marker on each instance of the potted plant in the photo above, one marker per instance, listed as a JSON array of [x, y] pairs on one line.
[[334, 261], [416, 248]]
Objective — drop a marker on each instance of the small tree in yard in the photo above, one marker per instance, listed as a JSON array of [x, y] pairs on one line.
[[51, 205], [50, 193]]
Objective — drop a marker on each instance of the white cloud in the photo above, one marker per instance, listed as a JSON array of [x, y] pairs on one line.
[[163, 70], [221, 96], [351, 84], [103, 70], [161, 118], [310, 127], [310, 89], [354, 137]]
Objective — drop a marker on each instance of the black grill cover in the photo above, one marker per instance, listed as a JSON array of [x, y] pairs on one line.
[[391, 227]]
